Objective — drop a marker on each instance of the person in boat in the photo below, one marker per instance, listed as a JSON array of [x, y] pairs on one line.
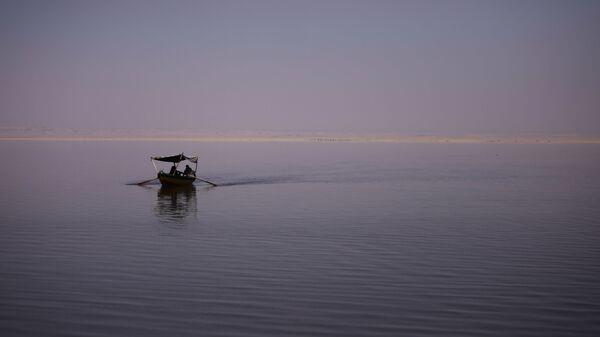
[[188, 171], [173, 170]]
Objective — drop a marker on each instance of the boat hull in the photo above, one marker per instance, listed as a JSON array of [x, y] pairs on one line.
[[172, 180]]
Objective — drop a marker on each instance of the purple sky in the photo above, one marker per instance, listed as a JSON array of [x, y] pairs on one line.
[[443, 66]]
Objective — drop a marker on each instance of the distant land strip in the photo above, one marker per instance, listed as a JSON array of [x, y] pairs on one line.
[[323, 139]]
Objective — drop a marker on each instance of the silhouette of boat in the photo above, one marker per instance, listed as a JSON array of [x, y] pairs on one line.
[[175, 177]]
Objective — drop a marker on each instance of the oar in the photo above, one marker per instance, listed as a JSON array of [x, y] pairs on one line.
[[146, 181], [208, 182]]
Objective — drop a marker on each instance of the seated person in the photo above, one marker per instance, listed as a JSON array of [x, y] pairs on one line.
[[188, 171]]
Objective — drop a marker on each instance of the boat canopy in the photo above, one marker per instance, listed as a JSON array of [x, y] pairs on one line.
[[176, 158]]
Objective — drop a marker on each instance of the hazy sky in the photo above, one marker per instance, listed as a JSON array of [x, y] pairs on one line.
[[357, 66]]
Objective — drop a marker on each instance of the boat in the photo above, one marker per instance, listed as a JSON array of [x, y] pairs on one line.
[[175, 177]]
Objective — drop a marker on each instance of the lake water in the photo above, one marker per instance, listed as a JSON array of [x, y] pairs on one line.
[[302, 239]]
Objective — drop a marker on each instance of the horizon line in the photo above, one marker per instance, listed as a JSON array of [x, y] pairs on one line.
[[420, 139]]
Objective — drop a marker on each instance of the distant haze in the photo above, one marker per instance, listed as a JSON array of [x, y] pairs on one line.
[[342, 66]]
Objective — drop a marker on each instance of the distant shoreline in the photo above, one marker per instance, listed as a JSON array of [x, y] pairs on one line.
[[321, 139]]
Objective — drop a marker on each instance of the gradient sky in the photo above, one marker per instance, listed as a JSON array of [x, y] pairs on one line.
[[447, 67]]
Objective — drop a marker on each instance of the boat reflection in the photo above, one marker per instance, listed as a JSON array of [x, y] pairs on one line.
[[175, 204]]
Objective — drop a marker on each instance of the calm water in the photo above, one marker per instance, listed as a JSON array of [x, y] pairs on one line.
[[302, 240]]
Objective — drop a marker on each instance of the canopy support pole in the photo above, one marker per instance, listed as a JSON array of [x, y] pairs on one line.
[[154, 164]]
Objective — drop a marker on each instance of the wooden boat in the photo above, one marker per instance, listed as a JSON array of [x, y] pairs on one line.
[[175, 177], [174, 180]]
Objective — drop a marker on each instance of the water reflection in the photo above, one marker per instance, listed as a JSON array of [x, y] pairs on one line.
[[175, 204]]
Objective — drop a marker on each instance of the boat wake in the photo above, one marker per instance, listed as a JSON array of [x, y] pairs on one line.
[[260, 181]]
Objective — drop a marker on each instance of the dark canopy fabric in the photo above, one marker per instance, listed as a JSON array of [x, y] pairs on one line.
[[176, 158]]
